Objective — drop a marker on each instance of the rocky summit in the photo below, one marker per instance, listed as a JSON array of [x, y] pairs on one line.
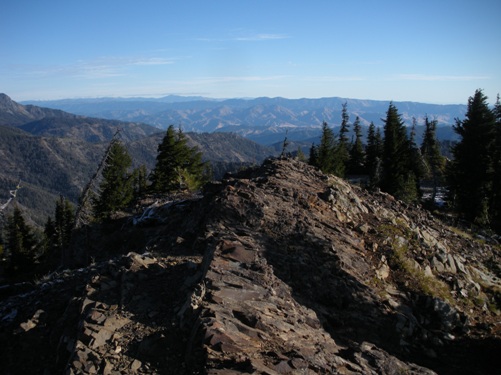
[[278, 269]]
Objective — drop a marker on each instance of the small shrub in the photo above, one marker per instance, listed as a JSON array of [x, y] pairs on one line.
[[401, 239]]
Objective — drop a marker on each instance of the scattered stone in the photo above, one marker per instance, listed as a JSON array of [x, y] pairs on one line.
[[427, 271], [383, 271], [136, 365], [108, 368], [437, 265], [32, 323], [451, 264]]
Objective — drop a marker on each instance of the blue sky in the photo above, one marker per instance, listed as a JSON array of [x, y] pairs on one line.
[[434, 51]]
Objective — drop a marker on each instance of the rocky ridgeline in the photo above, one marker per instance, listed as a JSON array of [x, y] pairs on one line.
[[275, 270]]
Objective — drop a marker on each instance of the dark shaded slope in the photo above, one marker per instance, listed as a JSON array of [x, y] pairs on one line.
[[47, 168], [87, 129]]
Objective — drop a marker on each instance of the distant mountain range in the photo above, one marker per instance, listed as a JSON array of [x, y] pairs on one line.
[[264, 120], [57, 123], [54, 153]]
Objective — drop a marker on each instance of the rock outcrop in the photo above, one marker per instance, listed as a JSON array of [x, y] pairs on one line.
[[275, 270]]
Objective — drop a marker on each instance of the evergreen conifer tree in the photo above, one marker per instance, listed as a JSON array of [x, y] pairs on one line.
[[374, 156], [416, 160], [342, 152], [139, 181], [50, 237], [472, 170], [300, 154], [21, 242], [398, 177], [64, 221], [324, 154], [58, 232], [178, 166], [434, 161], [164, 176], [496, 188], [313, 157], [357, 153], [116, 189]]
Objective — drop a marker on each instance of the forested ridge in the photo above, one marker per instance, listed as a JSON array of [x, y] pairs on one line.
[[393, 161]]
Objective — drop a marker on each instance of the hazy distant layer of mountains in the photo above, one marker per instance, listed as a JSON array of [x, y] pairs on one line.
[[264, 120]]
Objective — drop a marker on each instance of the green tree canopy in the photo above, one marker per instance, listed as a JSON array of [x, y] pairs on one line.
[[323, 155], [398, 177], [471, 174], [374, 156], [300, 154], [417, 163], [357, 152], [178, 166], [496, 188], [140, 181], [21, 242], [342, 151], [313, 157], [58, 231], [116, 189], [434, 161]]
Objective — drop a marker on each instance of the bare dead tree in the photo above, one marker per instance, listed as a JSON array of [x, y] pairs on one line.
[[285, 144], [78, 252], [13, 194]]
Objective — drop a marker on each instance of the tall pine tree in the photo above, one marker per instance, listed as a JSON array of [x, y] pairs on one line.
[[398, 177], [64, 221], [313, 157], [178, 166], [471, 173], [357, 152], [324, 154], [116, 189], [434, 161], [342, 154], [417, 162], [300, 154], [21, 243], [374, 156], [139, 181], [58, 232], [496, 188]]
